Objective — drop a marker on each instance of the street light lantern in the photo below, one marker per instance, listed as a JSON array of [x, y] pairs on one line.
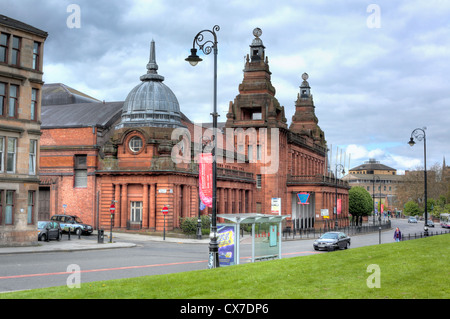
[[411, 142], [193, 59]]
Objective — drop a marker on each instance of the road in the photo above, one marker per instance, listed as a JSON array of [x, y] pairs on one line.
[[39, 270]]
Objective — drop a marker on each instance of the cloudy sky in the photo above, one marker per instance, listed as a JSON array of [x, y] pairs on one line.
[[377, 69]]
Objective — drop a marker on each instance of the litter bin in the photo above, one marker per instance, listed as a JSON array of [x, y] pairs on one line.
[[100, 236]]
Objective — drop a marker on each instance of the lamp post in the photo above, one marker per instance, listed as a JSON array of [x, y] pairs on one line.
[[335, 197], [207, 46], [420, 135]]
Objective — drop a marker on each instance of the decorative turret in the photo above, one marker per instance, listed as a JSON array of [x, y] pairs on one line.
[[305, 121], [256, 104]]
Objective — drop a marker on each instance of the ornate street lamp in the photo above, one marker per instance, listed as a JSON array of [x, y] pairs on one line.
[[335, 198], [207, 46], [420, 135]]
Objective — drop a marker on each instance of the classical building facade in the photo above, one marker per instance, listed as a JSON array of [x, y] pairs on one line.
[[21, 57], [380, 180], [142, 155]]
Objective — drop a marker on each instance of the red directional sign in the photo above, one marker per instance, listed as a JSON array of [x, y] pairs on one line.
[[165, 210], [112, 208]]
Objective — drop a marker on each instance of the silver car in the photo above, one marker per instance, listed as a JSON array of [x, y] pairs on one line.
[[332, 241]]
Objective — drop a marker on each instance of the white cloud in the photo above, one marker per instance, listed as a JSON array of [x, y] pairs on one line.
[[371, 87]]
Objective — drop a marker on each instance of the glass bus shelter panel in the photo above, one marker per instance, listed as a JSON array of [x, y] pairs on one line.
[[267, 241]]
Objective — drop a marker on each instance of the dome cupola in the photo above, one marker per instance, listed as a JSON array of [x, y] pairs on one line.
[[151, 103]]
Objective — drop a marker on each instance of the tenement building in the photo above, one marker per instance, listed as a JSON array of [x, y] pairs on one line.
[[142, 154], [21, 56]]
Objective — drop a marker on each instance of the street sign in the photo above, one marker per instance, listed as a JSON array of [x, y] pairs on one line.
[[165, 210], [112, 208]]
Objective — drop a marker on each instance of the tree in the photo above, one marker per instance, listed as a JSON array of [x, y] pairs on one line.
[[359, 203], [412, 208]]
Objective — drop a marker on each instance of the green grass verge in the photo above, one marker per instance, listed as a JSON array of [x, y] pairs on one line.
[[412, 269]]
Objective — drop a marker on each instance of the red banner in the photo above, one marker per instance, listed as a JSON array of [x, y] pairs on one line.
[[339, 206], [205, 178]]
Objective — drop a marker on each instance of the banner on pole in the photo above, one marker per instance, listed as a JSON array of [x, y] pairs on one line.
[[205, 178]]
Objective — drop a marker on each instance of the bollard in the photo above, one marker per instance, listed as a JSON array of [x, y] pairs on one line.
[[100, 236], [78, 231], [68, 233]]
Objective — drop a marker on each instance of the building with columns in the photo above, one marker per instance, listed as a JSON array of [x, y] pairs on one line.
[[142, 155]]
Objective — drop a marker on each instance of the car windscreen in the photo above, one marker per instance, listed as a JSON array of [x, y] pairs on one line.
[[329, 236], [78, 220], [41, 224]]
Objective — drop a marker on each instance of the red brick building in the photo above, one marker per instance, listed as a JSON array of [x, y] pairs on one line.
[[142, 155]]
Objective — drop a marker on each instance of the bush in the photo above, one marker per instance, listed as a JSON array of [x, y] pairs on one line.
[[189, 225]]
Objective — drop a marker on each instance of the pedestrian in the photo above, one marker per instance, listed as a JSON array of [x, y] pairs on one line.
[[397, 234]]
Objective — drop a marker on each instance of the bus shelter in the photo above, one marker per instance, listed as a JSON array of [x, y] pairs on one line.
[[266, 236]]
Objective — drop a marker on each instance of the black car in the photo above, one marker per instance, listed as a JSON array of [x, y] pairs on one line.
[[430, 223], [73, 223], [332, 241], [49, 230]]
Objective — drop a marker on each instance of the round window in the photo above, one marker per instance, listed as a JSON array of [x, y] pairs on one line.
[[135, 144]]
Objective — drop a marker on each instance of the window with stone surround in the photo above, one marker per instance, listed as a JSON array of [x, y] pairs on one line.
[[15, 56], [32, 157], [11, 155], [4, 45]]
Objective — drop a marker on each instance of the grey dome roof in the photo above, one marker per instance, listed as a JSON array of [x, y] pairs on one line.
[[151, 103]]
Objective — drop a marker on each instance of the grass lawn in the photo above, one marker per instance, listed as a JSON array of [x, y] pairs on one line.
[[412, 269]]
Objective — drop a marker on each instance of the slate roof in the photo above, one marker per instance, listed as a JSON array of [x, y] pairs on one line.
[[16, 24], [372, 165], [97, 114], [59, 94]]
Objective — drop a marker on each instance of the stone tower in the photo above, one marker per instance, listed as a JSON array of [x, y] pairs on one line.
[[256, 105], [304, 121]]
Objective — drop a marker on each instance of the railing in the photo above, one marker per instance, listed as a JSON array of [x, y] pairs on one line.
[[423, 235], [316, 179], [312, 233]]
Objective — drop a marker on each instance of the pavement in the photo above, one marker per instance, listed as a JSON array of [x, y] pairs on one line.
[[119, 240]]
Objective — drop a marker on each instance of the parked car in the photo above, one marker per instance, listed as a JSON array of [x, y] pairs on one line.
[[73, 223], [332, 241], [49, 230], [430, 223], [412, 220]]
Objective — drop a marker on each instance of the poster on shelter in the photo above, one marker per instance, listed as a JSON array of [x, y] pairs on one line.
[[227, 247], [273, 236], [205, 178]]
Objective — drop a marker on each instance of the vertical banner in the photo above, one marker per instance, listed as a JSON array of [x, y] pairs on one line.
[[339, 206], [227, 247], [205, 178]]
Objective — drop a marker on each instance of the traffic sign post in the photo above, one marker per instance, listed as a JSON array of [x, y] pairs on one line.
[[112, 210], [165, 211]]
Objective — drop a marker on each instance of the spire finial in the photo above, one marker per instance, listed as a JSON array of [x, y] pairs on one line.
[[152, 66]]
